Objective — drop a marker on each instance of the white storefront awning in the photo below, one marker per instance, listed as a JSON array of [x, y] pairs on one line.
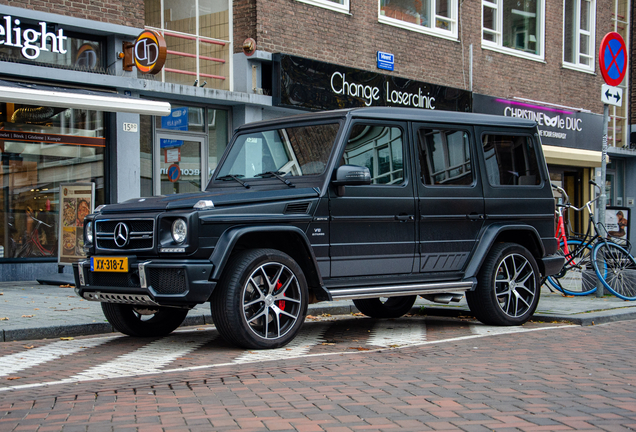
[[571, 156], [32, 94]]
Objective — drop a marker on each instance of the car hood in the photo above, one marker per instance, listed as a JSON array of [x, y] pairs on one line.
[[219, 198]]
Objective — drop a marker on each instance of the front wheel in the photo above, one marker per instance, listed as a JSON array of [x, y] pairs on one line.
[[261, 301], [616, 269], [508, 286], [143, 321], [392, 307]]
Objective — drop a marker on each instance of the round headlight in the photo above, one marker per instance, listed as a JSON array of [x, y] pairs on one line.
[[179, 230], [89, 232]]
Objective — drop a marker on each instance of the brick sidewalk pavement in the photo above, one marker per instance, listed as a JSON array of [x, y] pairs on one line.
[[574, 378]]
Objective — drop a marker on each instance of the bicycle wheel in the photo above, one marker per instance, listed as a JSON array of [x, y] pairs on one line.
[[577, 277], [616, 269]]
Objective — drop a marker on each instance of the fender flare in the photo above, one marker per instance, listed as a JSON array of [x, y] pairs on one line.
[[230, 238], [487, 240]]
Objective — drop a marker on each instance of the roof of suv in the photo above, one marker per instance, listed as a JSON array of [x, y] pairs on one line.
[[403, 114]]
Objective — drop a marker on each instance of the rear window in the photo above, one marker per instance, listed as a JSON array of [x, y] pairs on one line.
[[511, 160]]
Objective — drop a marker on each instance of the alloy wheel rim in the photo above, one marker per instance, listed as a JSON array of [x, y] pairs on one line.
[[271, 301], [515, 285]]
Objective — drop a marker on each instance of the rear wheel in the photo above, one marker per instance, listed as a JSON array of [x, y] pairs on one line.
[[143, 321], [392, 307], [577, 277], [261, 301], [616, 269], [508, 286]]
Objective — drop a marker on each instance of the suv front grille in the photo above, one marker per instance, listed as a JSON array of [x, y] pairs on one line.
[[167, 280], [140, 234]]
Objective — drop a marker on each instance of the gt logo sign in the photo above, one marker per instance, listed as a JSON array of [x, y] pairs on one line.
[[150, 52]]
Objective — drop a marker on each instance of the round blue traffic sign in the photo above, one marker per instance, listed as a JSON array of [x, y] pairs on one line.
[[612, 58], [174, 173]]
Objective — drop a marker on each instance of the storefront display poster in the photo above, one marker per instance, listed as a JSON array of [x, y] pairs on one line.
[[617, 222], [77, 200]]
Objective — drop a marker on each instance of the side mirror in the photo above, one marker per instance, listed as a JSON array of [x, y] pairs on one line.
[[351, 175]]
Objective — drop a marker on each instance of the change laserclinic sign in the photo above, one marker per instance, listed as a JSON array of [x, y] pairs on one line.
[[314, 85]]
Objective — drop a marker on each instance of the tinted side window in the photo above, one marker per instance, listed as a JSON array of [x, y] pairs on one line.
[[511, 160], [445, 157], [378, 148]]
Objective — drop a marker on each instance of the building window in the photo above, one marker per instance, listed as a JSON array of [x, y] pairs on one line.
[[198, 36], [445, 158], [514, 27], [578, 33], [378, 148], [40, 148], [334, 5], [511, 160], [438, 17]]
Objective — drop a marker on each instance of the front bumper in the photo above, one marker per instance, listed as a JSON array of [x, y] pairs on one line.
[[551, 264], [154, 282]]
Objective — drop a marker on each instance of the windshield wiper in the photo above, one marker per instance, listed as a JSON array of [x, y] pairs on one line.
[[235, 177], [276, 174]]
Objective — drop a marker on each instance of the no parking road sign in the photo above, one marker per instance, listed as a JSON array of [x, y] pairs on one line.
[[174, 173], [612, 58]]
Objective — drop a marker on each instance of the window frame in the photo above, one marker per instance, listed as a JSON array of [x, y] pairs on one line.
[[433, 31], [330, 5], [497, 5], [577, 38], [446, 153], [536, 143]]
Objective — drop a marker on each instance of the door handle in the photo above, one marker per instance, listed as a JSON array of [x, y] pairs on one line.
[[404, 218], [474, 216]]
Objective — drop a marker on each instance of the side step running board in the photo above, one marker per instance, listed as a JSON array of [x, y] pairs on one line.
[[400, 290]]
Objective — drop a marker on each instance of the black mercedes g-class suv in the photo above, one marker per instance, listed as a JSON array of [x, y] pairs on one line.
[[377, 205]]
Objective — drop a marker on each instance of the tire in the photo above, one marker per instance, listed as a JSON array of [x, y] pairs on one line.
[[392, 307], [143, 321], [616, 269], [261, 299], [508, 286], [577, 277]]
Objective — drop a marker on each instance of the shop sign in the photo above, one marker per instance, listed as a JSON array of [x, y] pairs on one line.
[[386, 61], [557, 126], [77, 200], [149, 52], [315, 85], [30, 40], [45, 43]]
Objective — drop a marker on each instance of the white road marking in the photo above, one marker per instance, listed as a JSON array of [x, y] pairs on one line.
[[148, 359], [338, 353], [486, 330], [13, 363], [392, 334], [301, 344]]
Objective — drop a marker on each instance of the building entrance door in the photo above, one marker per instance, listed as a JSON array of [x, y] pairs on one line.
[[181, 163]]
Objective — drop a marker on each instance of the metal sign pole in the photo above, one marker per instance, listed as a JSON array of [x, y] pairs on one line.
[[602, 202]]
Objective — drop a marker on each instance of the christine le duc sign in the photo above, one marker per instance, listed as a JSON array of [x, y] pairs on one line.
[[315, 85]]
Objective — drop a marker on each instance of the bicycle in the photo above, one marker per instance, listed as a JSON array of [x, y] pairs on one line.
[[32, 247], [591, 256]]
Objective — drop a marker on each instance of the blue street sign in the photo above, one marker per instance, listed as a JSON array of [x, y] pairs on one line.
[[177, 120], [386, 61]]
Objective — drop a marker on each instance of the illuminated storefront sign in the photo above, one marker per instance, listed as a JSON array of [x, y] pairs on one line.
[[311, 84]]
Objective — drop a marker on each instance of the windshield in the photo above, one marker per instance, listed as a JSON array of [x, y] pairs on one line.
[[293, 151]]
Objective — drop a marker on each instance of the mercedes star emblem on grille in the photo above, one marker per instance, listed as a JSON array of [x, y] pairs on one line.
[[121, 234]]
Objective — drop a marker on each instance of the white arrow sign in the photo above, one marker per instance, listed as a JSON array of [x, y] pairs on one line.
[[612, 95]]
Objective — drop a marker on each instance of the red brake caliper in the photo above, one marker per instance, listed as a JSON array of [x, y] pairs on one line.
[[281, 303]]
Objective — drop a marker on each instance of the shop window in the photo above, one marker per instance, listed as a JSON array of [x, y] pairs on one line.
[[511, 160], [40, 148], [217, 137], [579, 22], [514, 27], [445, 157], [378, 148], [335, 5], [197, 34], [437, 17]]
